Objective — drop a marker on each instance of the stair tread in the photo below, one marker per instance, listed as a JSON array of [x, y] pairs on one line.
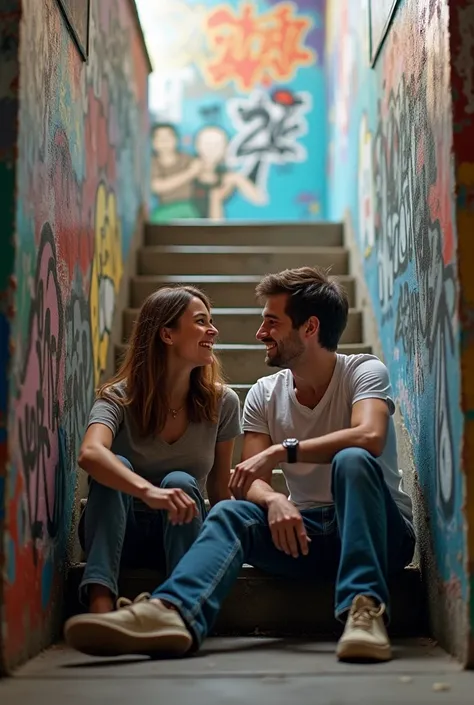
[[244, 223], [233, 311], [249, 571], [214, 278], [344, 347], [243, 249], [255, 346]]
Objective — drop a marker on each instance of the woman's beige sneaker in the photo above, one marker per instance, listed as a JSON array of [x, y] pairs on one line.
[[365, 636], [143, 627]]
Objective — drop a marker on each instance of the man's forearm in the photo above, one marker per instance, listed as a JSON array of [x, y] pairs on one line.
[[323, 449], [260, 493]]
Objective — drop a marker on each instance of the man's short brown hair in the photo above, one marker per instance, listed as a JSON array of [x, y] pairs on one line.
[[310, 293]]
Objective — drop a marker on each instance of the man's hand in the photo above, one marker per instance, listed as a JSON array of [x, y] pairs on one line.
[[254, 468], [287, 527], [180, 507]]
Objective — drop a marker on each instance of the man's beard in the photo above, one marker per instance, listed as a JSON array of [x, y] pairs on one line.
[[286, 352]]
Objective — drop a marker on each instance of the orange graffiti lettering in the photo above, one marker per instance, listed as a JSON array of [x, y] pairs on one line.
[[255, 49]]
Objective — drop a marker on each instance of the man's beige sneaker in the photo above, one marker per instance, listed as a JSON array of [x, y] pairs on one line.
[[365, 636], [141, 627]]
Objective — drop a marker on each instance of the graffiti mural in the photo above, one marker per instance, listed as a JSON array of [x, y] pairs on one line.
[[37, 408], [9, 43], [107, 270], [267, 132], [254, 49], [396, 186], [238, 109], [461, 47], [405, 172], [82, 182]]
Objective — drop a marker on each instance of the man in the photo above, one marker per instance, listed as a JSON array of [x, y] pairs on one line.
[[326, 419]]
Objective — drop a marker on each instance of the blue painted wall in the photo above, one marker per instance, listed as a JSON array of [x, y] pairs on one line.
[[242, 85], [390, 173]]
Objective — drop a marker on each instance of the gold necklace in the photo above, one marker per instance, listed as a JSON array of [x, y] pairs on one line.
[[175, 412]]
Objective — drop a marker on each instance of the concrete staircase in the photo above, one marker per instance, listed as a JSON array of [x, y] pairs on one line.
[[227, 261]]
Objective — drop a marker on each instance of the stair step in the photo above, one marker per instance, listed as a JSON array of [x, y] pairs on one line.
[[224, 290], [232, 259], [262, 604], [245, 233], [242, 391], [239, 325], [244, 363]]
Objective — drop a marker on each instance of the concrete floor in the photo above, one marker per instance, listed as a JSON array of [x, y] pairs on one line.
[[244, 670]]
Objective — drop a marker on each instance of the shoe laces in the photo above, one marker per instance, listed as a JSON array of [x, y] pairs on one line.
[[363, 613], [125, 602]]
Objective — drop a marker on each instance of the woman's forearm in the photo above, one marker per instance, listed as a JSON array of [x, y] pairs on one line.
[[104, 467]]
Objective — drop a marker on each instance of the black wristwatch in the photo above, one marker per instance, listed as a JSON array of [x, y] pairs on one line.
[[291, 445]]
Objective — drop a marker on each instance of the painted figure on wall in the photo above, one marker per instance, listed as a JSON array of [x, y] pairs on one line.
[[195, 185]]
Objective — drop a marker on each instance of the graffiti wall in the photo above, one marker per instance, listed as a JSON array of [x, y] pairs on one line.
[[390, 172], [238, 109], [461, 29], [9, 39], [81, 185]]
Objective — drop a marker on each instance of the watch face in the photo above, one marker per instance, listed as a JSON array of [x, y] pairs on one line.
[[290, 442]]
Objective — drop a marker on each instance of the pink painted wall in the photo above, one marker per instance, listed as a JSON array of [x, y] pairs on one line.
[[81, 187]]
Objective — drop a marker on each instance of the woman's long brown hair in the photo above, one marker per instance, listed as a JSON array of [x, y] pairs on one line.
[[144, 368]]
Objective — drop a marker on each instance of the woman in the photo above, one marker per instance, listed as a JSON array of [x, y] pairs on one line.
[[160, 433]]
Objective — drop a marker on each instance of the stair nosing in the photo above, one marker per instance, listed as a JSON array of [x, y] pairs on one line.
[[244, 249], [237, 311], [218, 278]]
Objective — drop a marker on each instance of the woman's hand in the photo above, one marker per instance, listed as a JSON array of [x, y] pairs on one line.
[[180, 507]]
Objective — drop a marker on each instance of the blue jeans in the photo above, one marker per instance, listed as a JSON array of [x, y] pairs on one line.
[[359, 541], [115, 534]]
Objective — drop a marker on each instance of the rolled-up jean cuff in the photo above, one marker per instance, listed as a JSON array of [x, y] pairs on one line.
[[186, 616], [95, 581]]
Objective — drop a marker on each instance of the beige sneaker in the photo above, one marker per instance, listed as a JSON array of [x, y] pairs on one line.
[[365, 636], [141, 627]]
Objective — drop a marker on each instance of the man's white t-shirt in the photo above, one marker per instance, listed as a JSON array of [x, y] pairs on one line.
[[271, 407]]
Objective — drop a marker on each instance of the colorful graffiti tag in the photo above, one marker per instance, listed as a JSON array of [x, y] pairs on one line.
[[405, 171], [402, 211], [267, 132], [253, 49], [239, 110], [82, 165]]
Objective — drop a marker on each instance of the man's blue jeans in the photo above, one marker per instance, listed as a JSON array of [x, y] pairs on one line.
[[359, 541], [114, 534]]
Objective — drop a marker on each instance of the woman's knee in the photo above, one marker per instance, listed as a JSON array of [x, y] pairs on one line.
[[178, 479]]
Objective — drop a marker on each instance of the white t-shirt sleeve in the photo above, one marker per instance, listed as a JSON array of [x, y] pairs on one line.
[[370, 380], [254, 418]]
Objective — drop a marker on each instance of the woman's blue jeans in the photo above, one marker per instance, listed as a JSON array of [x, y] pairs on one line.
[[115, 534]]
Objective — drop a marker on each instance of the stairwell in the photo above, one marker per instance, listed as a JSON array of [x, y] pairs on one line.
[[227, 261]]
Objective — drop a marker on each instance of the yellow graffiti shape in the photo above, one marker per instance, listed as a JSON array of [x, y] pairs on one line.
[[252, 49], [107, 270]]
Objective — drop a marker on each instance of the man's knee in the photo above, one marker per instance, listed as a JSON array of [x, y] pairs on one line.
[[236, 512], [178, 479], [354, 465]]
